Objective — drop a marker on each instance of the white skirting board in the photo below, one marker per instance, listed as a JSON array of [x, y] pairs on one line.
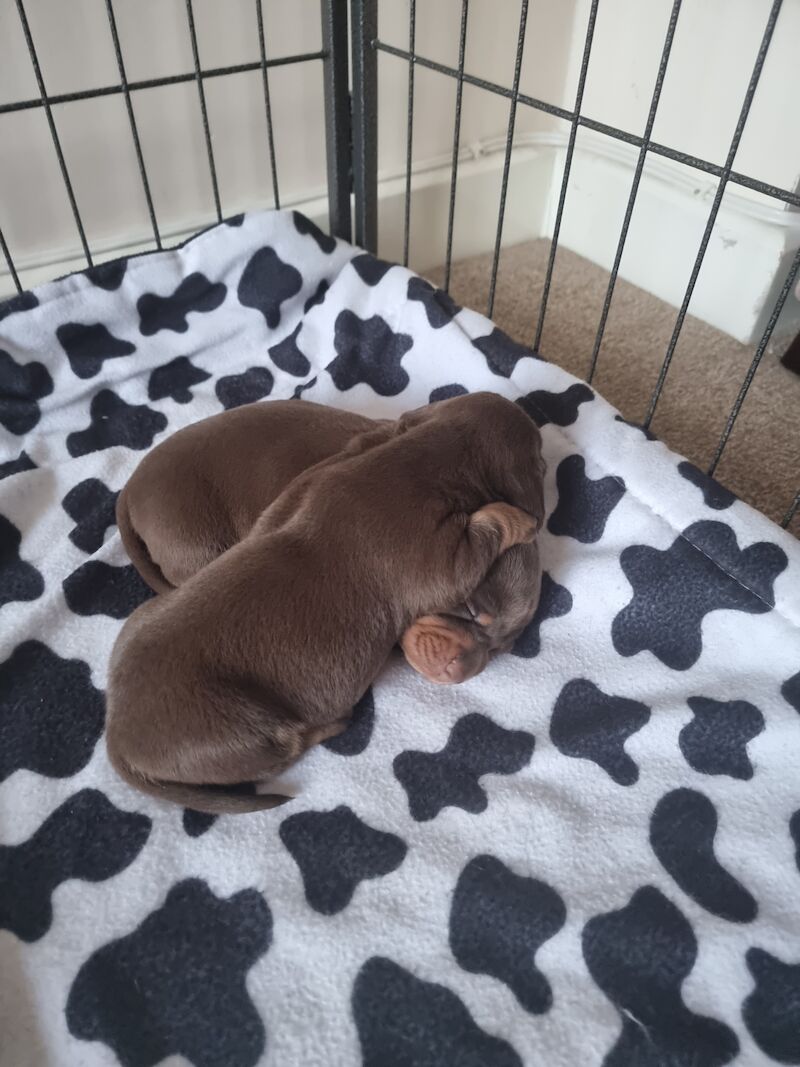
[[745, 264]]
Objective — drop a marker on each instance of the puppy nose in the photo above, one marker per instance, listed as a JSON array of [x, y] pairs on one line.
[[465, 666]]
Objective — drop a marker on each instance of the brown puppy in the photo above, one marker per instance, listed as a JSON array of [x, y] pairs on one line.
[[201, 491], [221, 684]]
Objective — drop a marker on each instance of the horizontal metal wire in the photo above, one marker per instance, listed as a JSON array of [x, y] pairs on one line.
[[158, 83], [776, 192]]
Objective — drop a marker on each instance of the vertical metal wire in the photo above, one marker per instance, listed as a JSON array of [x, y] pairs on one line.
[[512, 115], [462, 44], [723, 181], [201, 94], [37, 70], [11, 268], [790, 514], [273, 163], [365, 122], [757, 356], [412, 33], [562, 196], [338, 132], [637, 174], [112, 22]]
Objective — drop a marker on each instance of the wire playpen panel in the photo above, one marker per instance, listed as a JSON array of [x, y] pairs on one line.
[[351, 48]]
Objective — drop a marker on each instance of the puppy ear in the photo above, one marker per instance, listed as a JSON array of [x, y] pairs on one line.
[[441, 651], [512, 525]]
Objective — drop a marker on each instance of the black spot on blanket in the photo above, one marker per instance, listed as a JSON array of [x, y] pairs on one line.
[[35, 733], [88, 346], [109, 275], [584, 504], [356, 737], [369, 351], [498, 922], [590, 724], [682, 831], [790, 691], [335, 852], [23, 462], [639, 956], [195, 293], [91, 505], [18, 580], [195, 823], [716, 496], [316, 297], [772, 1011], [175, 380], [562, 409], [22, 386], [114, 422], [175, 986], [308, 228], [98, 588], [266, 283], [446, 392], [245, 388], [25, 301], [501, 353], [286, 355], [451, 777], [554, 601], [702, 571], [715, 741], [440, 308], [403, 1021], [85, 838], [369, 268]]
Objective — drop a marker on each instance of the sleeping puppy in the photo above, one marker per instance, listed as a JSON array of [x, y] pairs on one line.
[[202, 490], [222, 684]]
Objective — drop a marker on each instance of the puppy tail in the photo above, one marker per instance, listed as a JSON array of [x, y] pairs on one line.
[[136, 548]]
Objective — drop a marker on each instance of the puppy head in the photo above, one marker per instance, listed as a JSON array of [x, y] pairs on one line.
[[458, 644]]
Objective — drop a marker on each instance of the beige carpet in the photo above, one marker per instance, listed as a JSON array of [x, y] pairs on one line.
[[761, 462]]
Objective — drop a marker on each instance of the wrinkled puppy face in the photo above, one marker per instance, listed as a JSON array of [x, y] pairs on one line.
[[453, 647]]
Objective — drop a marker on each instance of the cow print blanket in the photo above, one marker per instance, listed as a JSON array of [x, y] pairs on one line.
[[589, 855]]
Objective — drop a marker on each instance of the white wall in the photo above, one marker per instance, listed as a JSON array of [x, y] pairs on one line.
[[714, 48]]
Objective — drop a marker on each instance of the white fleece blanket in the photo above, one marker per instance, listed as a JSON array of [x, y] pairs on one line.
[[586, 856]]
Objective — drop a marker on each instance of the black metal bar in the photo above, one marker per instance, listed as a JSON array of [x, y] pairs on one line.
[[273, 163], [712, 217], [412, 32], [53, 131], [11, 268], [202, 97], [637, 174], [512, 118], [562, 196], [757, 356], [451, 214], [787, 196], [112, 22], [365, 122], [790, 514], [158, 83], [336, 71]]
